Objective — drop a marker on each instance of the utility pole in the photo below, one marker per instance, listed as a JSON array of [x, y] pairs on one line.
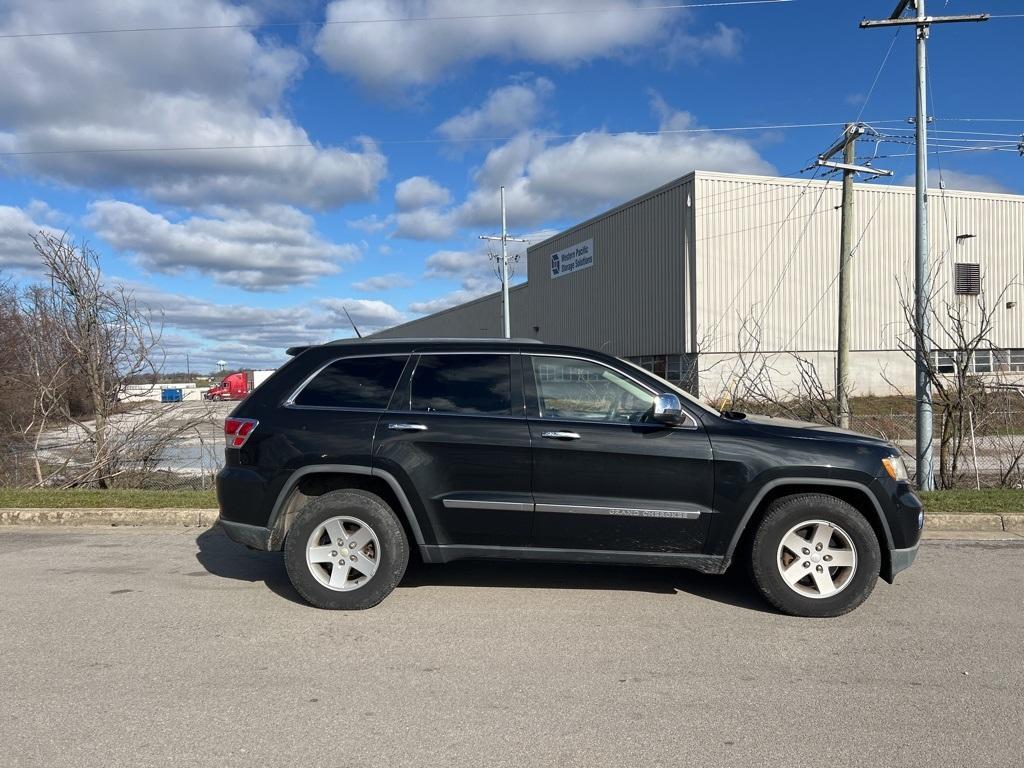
[[848, 145], [506, 320], [845, 253], [922, 280]]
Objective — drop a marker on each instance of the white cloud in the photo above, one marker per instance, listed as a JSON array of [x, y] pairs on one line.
[[506, 110], [372, 223], [420, 192], [369, 315], [388, 282], [250, 336], [546, 181], [457, 264], [425, 224], [472, 288], [212, 88], [724, 43], [269, 249], [16, 228], [969, 182], [418, 53], [419, 201]]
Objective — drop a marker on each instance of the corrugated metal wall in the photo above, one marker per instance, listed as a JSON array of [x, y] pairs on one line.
[[768, 255], [632, 301], [757, 250]]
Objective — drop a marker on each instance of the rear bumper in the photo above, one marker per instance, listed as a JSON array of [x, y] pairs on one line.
[[900, 560], [254, 536]]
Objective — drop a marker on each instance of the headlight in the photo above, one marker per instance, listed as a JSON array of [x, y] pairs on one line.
[[896, 468]]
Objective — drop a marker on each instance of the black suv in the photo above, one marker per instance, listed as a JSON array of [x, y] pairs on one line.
[[356, 451]]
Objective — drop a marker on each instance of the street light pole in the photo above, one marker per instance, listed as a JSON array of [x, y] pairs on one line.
[[922, 271], [506, 317], [922, 279]]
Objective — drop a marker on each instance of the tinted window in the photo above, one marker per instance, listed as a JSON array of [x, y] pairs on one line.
[[479, 384], [357, 382], [583, 391]]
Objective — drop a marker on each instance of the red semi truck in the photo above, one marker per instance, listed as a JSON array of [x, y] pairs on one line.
[[237, 386]]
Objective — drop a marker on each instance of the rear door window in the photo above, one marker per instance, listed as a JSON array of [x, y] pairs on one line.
[[466, 384], [354, 382]]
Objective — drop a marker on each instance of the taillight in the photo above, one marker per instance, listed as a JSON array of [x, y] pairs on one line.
[[238, 430]]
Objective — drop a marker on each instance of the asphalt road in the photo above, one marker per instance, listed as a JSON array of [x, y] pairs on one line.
[[158, 648]]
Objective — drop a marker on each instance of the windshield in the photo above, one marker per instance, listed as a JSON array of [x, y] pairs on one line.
[[670, 387]]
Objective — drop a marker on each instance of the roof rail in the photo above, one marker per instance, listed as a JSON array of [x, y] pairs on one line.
[[434, 340]]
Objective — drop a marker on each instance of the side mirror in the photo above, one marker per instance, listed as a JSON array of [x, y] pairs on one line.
[[668, 409]]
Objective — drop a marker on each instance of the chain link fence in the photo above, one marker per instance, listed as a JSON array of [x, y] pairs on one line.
[[984, 449]]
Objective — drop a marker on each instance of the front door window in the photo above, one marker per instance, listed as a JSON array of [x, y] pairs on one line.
[[579, 390]]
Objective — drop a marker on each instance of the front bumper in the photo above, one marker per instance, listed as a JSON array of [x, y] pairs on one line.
[[253, 536], [900, 560]]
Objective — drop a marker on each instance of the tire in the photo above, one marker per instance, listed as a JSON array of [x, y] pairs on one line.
[[798, 579], [329, 574]]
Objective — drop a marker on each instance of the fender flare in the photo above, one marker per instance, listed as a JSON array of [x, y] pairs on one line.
[[824, 483], [345, 469]]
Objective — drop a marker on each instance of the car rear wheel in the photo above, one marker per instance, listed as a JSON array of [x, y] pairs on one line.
[[815, 555], [346, 550]]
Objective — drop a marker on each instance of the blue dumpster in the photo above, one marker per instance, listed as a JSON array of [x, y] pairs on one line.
[[171, 395]]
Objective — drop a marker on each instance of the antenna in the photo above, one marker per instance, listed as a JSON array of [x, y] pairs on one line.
[[351, 321]]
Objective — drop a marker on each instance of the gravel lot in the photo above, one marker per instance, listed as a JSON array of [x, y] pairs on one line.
[[156, 648]]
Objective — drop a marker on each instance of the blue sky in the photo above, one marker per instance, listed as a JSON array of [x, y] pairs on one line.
[[413, 127]]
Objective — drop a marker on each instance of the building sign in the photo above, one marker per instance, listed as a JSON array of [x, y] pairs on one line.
[[580, 256]]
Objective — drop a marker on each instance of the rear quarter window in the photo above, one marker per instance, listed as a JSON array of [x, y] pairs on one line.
[[356, 382]]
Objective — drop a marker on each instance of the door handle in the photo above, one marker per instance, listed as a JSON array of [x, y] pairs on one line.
[[561, 435], [408, 427]]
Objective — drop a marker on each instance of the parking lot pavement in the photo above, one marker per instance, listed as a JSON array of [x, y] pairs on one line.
[[172, 648]]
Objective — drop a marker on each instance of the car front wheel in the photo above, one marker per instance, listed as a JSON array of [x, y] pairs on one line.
[[815, 555]]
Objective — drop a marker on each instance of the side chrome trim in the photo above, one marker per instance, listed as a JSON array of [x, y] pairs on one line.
[[561, 435], [514, 506], [575, 509]]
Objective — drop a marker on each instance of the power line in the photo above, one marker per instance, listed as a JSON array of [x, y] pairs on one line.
[[429, 140], [396, 20], [878, 74], [979, 119], [764, 253]]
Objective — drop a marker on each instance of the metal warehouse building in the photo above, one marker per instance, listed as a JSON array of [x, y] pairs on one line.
[[693, 278]]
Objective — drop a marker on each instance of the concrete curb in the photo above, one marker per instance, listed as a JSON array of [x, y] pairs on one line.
[[207, 517], [963, 522], [113, 517]]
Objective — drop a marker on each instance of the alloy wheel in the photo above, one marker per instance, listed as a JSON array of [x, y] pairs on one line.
[[343, 553], [817, 559]]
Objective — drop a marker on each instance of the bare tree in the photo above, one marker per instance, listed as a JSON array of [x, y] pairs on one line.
[[753, 380], [86, 339], [957, 331]]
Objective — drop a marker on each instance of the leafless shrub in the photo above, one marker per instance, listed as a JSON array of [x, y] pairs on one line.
[[77, 341], [752, 381]]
